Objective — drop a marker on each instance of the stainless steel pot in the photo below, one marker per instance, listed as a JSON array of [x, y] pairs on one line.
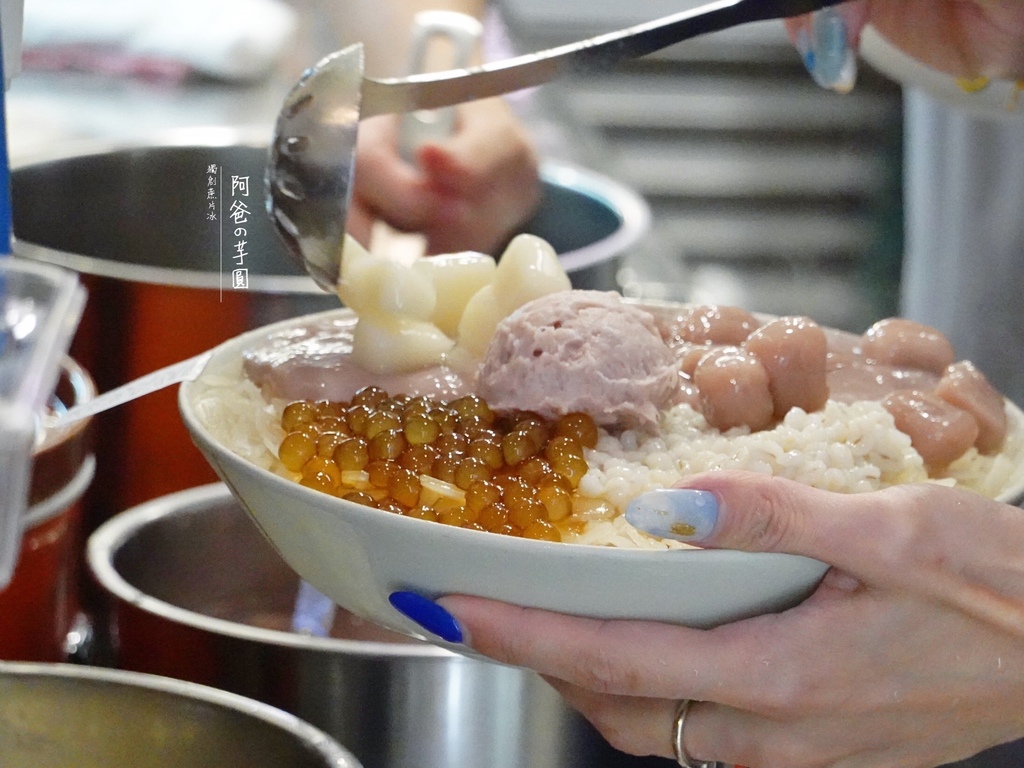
[[135, 221], [140, 213], [63, 715], [200, 595]]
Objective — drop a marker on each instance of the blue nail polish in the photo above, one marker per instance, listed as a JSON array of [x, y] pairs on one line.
[[826, 51], [674, 513], [428, 614]]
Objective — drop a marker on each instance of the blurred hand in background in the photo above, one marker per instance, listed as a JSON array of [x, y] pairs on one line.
[[466, 191]]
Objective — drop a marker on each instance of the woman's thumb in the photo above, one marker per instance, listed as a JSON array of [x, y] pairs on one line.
[[749, 512]]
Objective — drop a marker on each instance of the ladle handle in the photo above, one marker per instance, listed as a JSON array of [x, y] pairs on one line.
[[603, 52], [185, 370]]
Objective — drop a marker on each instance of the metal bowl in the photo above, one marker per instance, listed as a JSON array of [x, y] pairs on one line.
[[58, 715], [199, 594], [139, 213]]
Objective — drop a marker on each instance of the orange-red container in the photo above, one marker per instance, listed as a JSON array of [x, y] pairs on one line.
[[40, 605], [136, 225]]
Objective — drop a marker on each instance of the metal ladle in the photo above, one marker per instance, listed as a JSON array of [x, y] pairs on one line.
[[312, 156]]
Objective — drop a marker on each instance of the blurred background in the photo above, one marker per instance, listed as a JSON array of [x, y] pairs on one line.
[[741, 183], [766, 191], [757, 179]]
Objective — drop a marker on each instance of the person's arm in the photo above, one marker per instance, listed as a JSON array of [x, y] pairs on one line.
[[910, 652], [971, 40], [967, 39], [469, 191]]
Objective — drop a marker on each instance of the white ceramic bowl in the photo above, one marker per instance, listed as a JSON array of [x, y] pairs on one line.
[[358, 555]]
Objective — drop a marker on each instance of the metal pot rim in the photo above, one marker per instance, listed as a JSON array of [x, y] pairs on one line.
[[197, 137], [62, 499], [631, 208], [106, 540], [84, 389], [307, 734]]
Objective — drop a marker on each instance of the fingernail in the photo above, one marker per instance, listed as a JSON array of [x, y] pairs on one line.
[[972, 84], [826, 50], [314, 611], [682, 514], [428, 614]]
